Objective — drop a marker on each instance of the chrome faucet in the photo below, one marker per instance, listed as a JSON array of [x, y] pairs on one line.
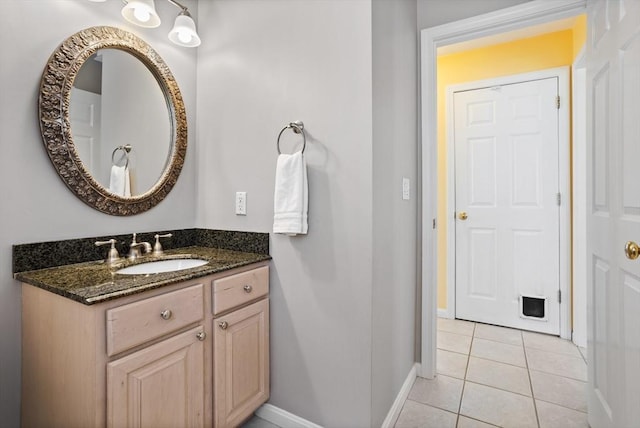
[[112, 256], [157, 247], [134, 248]]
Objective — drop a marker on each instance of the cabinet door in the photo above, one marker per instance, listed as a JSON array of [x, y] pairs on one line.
[[241, 363], [159, 386]]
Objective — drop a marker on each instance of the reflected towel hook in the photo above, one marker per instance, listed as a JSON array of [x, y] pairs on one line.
[[298, 128], [126, 149]]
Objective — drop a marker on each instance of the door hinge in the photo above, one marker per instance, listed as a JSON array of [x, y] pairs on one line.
[[559, 296], [559, 198], [434, 224], [558, 101]]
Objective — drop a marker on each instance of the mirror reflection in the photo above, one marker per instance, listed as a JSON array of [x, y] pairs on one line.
[[120, 122]]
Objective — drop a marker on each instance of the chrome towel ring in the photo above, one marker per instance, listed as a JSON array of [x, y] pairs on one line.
[[298, 128], [126, 149]]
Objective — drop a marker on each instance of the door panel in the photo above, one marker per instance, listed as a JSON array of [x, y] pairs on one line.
[[158, 386], [600, 121], [483, 260], [613, 280], [630, 68], [631, 299], [526, 166], [507, 180], [482, 165], [600, 337]]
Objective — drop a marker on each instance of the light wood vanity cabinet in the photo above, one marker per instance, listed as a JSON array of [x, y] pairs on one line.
[[240, 346], [191, 354]]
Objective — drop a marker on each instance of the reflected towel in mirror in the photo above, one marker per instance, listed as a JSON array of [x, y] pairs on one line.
[[120, 182], [291, 198]]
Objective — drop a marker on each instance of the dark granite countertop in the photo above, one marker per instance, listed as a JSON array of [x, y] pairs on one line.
[[95, 282]]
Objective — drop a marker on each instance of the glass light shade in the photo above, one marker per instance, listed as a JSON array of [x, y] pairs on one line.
[[142, 13], [184, 32]]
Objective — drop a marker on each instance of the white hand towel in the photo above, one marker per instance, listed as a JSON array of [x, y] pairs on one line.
[[291, 199], [120, 182]]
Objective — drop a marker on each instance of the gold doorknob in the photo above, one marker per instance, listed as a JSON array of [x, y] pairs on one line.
[[631, 250], [462, 215]]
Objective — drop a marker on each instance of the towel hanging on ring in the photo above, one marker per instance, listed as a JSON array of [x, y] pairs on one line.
[[291, 198]]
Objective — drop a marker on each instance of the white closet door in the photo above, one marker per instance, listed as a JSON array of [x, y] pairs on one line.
[[507, 225]]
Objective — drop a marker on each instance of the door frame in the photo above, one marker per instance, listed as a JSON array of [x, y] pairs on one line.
[[524, 15], [564, 139], [579, 197]]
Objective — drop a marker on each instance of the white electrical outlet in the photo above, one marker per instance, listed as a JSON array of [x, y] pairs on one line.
[[406, 189], [241, 203]]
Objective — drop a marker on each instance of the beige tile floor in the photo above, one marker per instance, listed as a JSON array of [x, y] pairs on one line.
[[495, 376]]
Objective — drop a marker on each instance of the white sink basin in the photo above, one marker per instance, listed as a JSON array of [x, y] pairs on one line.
[[162, 266]]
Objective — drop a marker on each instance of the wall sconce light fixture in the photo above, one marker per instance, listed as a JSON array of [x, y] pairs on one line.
[[143, 14]]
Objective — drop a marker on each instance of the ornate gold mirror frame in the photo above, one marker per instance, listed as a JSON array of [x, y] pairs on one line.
[[55, 93]]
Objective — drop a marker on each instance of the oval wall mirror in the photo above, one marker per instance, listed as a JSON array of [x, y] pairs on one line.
[[113, 121]]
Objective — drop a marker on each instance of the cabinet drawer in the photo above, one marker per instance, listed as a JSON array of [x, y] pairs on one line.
[[133, 324], [238, 289]]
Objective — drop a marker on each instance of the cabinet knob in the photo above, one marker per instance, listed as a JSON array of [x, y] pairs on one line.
[[248, 288], [223, 325], [166, 314], [201, 336]]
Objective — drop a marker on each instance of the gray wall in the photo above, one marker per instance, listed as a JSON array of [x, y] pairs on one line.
[[262, 65], [395, 155], [36, 205], [436, 12]]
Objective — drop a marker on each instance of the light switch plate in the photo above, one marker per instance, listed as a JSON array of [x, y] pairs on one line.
[[241, 203], [406, 188]]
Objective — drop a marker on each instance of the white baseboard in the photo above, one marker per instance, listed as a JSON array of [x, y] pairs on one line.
[[282, 418], [394, 412], [444, 313]]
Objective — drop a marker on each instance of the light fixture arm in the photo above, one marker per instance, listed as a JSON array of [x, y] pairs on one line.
[[173, 2], [185, 10]]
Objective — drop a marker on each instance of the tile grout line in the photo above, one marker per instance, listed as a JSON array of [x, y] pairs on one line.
[[475, 382], [562, 405], [533, 398], [466, 369], [500, 362], [433, 406]]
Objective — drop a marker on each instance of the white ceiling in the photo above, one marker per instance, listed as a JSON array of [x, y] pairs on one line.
[[524, 33]]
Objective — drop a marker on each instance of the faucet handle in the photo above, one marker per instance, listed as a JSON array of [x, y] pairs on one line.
[[133, 240], [157, 247], [112, 256]]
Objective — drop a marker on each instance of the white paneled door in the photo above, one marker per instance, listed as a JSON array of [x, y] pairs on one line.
[[507, 227], [85, 117], [613, 213]]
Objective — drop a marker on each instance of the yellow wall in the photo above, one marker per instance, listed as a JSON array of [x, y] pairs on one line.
[[521, 56], [579, 34]]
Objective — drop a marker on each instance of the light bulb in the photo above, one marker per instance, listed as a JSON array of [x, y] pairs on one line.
[[184, 36], [141, 14]]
